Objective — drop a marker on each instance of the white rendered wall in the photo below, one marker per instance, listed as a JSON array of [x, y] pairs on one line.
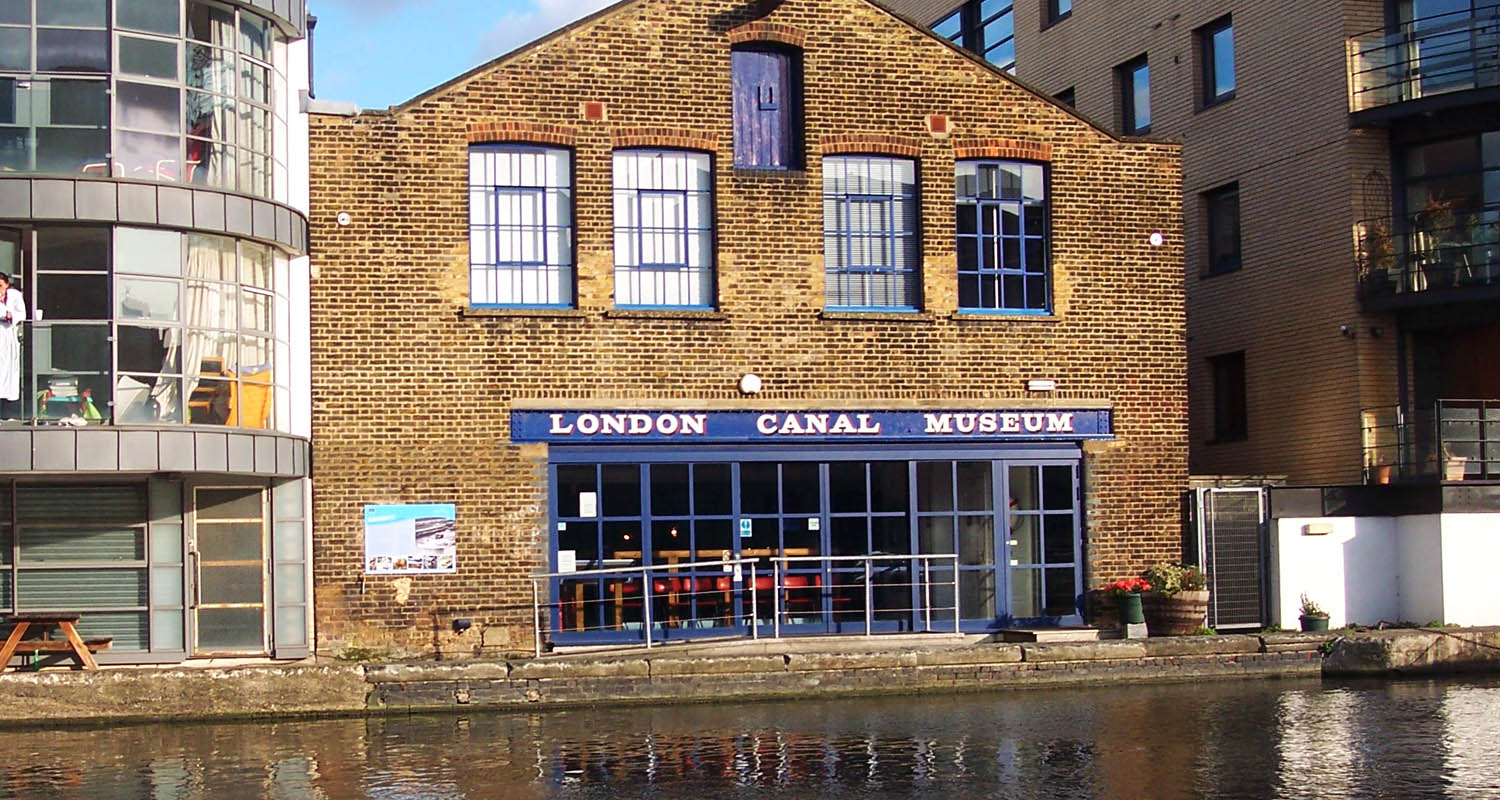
[[299, 197], [1420, 546], [1470, 556], [1351, 572]]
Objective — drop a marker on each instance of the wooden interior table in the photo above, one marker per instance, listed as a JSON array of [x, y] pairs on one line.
[[81, 650]]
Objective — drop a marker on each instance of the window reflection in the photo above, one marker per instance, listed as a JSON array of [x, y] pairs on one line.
[[183, 341]]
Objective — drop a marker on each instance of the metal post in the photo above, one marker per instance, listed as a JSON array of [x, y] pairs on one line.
[[956, 615], [536, 617], [776, 599], [646, 603], [869, 601], [927, 593], [754, 607]]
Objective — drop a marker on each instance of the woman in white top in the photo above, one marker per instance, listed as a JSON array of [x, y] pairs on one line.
[[12, 314]]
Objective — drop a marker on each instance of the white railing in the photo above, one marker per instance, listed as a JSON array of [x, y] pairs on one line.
[[779, 572], [718, 585]]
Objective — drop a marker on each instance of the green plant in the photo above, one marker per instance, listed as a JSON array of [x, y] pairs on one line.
[[1169, 579], [1205, 631], [1311, 608]]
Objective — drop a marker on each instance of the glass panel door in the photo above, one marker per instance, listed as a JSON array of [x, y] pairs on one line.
[[1042, 548], [229, 550]]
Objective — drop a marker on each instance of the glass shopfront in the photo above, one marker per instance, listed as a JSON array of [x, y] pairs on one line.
[[1010, 514]]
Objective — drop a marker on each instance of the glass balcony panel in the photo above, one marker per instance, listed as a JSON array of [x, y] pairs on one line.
[[15, 49], [152, 350], [71, 50], [140, 298], [146, 156], [15, 12], [152, 58], [152, 16], [73, 249], [212, 305], [148, 400], [148, 252]]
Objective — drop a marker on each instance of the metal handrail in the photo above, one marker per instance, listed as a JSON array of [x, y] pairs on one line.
[[644, 570], [1451, 440], [1435, 248], [778, 563], [1427, 56]]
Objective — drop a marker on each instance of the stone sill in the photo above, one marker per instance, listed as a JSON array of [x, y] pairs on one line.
[[522, 313], [879, 316], [985, 319], [665, 313]]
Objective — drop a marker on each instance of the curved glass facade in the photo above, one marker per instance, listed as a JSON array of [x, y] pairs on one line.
[[160, 90], [141, 326]]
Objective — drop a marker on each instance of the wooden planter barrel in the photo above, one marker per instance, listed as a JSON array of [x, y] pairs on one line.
[[1182, 614]]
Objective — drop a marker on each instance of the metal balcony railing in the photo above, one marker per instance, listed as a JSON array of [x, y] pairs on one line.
[[1440, 247], [1454, 440], [1426, 57], [806, 594]]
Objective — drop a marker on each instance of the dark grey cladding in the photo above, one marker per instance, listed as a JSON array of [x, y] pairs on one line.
[[63, 450], [142, 203]]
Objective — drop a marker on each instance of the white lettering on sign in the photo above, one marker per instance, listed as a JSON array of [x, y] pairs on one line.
[[817, 425], [631, 425], [990, 422]]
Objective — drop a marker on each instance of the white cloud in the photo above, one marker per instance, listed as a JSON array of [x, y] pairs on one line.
[[542, 17]]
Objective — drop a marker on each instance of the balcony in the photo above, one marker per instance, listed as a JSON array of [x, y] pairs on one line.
[[1424, 60], [1455, 440], [1439, 255]]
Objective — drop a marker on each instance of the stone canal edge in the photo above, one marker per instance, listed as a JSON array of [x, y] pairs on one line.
[[117, 695]]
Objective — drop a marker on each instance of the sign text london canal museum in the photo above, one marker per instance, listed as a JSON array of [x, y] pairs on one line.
[[693, 288]]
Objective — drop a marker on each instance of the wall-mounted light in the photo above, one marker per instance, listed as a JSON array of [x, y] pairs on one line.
[[1347, 331], [750, 384], [1157, 239], [1046, 385]]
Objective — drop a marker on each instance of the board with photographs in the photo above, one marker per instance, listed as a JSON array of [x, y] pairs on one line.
[[411, 539]]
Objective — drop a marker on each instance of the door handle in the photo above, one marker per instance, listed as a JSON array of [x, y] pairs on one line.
[[197, 579]]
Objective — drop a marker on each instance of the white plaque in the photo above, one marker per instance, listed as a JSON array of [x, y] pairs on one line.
[[813, 523], [567, 561], [588, 504]]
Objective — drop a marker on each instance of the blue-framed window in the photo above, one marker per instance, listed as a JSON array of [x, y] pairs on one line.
[[520, 226], [664, 229], [1003, 231], [871, 250]]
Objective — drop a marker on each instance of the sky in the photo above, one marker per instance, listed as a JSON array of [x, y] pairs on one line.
[[379, 53]]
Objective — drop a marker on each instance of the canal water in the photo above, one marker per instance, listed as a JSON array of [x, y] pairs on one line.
[[1252, 739]]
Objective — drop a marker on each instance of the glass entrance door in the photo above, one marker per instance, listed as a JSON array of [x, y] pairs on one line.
[[229, 558], [1042, 549]]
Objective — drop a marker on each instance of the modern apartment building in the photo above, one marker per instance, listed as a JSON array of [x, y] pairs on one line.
[[1341, 194], [715, 314], [155, 451]]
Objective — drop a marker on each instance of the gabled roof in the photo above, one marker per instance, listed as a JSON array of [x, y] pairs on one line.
[[766, 7]]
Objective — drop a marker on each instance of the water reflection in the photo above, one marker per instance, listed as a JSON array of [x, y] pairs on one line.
[[1250, 740]]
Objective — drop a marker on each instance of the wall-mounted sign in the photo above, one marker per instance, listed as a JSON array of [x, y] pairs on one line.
[[411, 540], [599, 427]]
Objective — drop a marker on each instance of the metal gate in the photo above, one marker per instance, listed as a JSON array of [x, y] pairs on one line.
[[1231, 544]]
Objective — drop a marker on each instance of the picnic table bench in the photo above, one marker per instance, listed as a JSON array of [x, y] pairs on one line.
[[81, 649]]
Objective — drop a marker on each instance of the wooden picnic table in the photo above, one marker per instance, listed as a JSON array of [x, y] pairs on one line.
[[81, 650]]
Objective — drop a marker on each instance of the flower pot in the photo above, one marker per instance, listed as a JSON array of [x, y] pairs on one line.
[[1455, 467], [1318, 622], [1129, 604], [1181, 614]]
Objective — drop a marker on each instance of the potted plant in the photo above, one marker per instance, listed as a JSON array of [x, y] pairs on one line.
[[1177, 604], [1314, 618], [1377, 257], [1127, 594]]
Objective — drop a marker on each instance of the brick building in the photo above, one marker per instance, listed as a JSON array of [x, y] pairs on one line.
[[705, 278], [1340, 166]]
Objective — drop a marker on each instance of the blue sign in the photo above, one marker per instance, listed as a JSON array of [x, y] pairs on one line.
[[745, 529], [690, 427]]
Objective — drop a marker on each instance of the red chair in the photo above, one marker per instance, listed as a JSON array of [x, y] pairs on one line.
[[802, 592]]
